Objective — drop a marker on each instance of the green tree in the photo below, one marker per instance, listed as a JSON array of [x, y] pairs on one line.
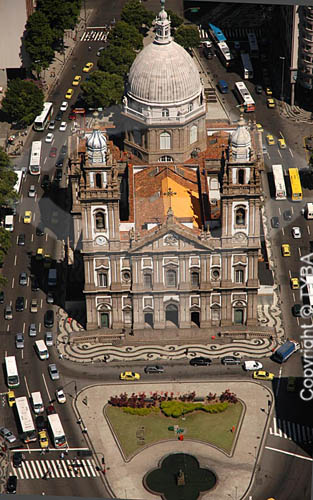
[[102, 90], [126, 36], [187, 36], [23, 101], [135, 14], [8, 179], [61, 15], [116, 59], [176, 21], [38, 43]]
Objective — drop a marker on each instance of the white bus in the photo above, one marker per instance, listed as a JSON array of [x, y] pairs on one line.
[[56, 431], [244, 97], [45, 116], [25, 419], [13, 379], [253, 45], [279, 181], [34, 162], [247, 68], [224, 54]]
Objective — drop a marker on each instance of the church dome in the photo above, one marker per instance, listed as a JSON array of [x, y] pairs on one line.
[[96, 147], [241, 136], [164, 72]]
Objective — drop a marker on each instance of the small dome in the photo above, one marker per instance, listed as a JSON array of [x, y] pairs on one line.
[[241, 136], [96, 147]]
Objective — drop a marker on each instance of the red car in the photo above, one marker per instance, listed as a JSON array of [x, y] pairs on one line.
[[53, 152], [50, 410], [72, 116]]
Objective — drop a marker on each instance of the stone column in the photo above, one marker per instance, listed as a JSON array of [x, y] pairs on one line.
[[205, 321], [184, 311], [91, 312], [117, 313], [159, 312]]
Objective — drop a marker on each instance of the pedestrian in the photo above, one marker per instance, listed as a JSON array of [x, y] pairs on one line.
[[62, 455]]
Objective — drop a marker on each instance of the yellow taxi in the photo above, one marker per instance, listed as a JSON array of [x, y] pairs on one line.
[[294, 283], [27, 217], [268, 91], [88, 66], [76, 80], [263, 375], [43, 439], [285, 249], [270, 140], [11, 398], [129, 376], [69, 94], [282, 143], [39, 254], [270, 103], [259, 127]]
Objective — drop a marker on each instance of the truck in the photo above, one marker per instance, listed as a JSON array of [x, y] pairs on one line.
[[309, 211], [52, 277], [285, 351], [9, 223]]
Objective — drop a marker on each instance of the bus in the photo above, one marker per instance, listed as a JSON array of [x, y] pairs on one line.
[[34, 162], [224, 54], [42, 120], [279, 181], [253, 45], [216, 34], [56, 431], [296, 189], [244, 97], [25, 419], [247, 68], [13, 379]]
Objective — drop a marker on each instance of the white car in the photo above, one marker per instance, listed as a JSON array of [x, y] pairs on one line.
[[63, 126], [296, 232], [32, 191], [64, 106], [59, 393], [252, 365], [51, 125], [49, 138]]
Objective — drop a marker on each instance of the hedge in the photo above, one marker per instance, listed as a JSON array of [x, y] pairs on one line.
[[140, 411], [177, 408]]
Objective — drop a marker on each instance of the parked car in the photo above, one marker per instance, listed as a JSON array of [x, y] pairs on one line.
[[53, 372], [23, 279], [21, 240], [12, 484], [19, 341], [200, 361], [230, 360], [49, 339], [154, 369], [8, 435], [252, 365], [60, 395]]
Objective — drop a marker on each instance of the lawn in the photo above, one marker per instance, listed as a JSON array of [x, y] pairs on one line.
[[210, 428]]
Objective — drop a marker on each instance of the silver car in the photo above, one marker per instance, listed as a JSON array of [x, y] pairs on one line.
[[53, 372], [32, 330], [23, 279], [8, 435], [19, 341], [32, 191], [8, 313], [49, 339]]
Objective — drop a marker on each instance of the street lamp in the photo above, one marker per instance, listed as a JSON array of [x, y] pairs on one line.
[[282, 78]]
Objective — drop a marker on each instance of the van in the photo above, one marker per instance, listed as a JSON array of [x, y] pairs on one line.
[[41, 349], [52, 277], [9, 223], [223, 87], [37, 403]]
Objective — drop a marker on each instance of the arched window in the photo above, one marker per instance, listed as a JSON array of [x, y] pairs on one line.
[[100, 220], [165, 113], [98, 181], [241, 176], [195, 279], [171, 278], [240, 217], [165, 140], [103, 279], [190, 106], [166, 158], [147, 281], [193, 134]]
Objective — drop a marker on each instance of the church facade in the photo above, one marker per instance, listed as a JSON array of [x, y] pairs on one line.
[[168, 239]]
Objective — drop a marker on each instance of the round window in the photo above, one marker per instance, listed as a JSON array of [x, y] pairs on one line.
[[215, 274], [126, 276]]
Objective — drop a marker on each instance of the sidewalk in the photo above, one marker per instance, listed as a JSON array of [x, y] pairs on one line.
[[234, 472]]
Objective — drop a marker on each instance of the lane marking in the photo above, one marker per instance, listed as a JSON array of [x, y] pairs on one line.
[[289, 453], [279, 379], [15, 259], [290, 151], [27, 386], [13, 282], [44, 381]]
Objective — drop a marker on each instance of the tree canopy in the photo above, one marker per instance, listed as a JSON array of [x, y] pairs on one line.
[[125, 35], [23, 101], [187, 36], [8, 179], [102, 90], [38, 43], [135, 14], [116, 59], [61, 15], [176, 21]]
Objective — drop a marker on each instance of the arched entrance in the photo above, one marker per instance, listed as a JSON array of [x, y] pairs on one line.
[[171, 315], [195, 318], [148, 319]]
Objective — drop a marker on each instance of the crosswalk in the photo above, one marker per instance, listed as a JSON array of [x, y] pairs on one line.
[[56, 469], [291, 430], [94, 36]]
